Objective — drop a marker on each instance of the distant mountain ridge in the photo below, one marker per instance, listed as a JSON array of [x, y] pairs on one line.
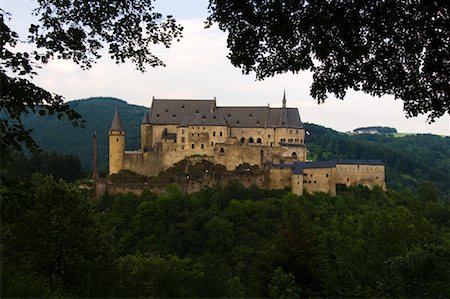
[[408, 159]]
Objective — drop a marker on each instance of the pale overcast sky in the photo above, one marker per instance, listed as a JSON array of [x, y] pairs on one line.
[[197, 67]]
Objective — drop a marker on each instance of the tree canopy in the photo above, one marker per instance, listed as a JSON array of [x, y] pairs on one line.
[[399, 48], [78, 31]]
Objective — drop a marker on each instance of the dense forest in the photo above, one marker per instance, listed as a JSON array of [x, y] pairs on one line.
[[225, 241], [379, 129]]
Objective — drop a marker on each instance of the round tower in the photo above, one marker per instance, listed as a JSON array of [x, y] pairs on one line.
[[116, 144]]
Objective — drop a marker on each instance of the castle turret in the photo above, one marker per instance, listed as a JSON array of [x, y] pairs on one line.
[[116, 144]]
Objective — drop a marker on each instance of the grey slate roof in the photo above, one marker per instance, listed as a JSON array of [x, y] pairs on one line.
[[116, 124], [145, 119], [298, 167], [208, 118], [188, 112], [245, 117], [173, 112], [356, 161]]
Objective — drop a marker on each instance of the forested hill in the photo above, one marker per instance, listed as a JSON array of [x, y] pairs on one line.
[[408, 159], [59, 136]]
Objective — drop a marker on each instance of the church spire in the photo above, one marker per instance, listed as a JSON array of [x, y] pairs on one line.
[[284, 98]]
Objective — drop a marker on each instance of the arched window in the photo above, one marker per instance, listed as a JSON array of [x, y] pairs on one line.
[[250, 140], [222, 150], [258, 140], [294, 155], [193, 146], [202, 146], [242, 140]]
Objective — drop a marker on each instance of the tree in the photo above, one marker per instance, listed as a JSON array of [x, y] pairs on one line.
[[49, 233], [78, 31], [400, 48]]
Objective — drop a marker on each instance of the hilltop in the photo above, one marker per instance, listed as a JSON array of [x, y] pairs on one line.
[[408, 159], [59, 136]]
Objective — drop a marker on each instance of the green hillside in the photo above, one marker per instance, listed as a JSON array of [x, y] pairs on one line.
[[59, 136], [409, 160]]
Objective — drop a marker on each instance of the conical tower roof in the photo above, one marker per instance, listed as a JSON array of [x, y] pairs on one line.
[[145, 119], [116, 124]]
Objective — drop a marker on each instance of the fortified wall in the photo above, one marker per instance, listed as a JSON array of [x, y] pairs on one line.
[[271, 139]]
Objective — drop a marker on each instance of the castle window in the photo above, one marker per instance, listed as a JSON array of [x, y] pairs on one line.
[[229, 115], [222, 150], [193, 146], [117, 139], [214, 117], [237, 122], [220, 134], [305, 174], [202, 146], [283, 140], [242, 140], [214, 133], [157, 114], [182, 131], [258, 140], [251, 115], [377, 178], [268, 136], [250, 140], [183, 139], [348, 179], [198, 134], [290, 131], [212, 143], [174, 115], [167, 110], [182, 107], [203, 128], [204, 117], [192, 134], [294, 155], [315, 182], [327, 174], [296, 131], [296, 140], [282, 123], [196, 111], [309, 182]]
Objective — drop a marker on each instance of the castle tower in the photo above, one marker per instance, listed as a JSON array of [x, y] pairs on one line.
[[116, 144]]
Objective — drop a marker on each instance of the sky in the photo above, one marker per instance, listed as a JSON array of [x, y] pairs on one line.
[[197, 68]]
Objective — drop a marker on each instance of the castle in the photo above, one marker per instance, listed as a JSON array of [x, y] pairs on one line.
[[271, 138]]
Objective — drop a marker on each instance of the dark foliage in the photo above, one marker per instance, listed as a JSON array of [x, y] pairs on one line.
[[400, 48], [223, 242], [379, 129], [20, 168]]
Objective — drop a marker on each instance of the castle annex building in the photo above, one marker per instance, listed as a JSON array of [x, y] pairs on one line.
[[271, 138]]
